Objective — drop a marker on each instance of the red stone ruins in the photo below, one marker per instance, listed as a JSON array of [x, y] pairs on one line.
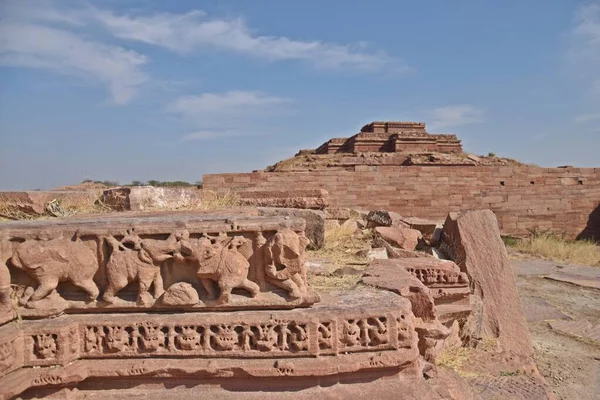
[[392, 137], [398, 166]]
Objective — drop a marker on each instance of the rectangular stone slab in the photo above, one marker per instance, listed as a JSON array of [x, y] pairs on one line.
[[345, 334], [158, 261]]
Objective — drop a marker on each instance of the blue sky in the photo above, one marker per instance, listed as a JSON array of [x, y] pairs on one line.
[[139, 90]]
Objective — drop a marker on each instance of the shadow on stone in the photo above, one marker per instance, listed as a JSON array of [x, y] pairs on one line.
[[592, 230]]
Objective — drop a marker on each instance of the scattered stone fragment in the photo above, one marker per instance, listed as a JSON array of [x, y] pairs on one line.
[[473, 157], [475, 239], [405, 238], [385, 274], [426, 226], [385, 218], [346, 271], [373, 254]]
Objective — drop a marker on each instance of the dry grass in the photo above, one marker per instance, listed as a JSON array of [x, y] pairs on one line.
[[342, 243], [329, 283], [453, 358], [56, 208], [557, 248], [218, 201]]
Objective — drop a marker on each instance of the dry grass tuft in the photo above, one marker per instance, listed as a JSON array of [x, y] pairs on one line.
[[453, 358], [343, 242], [10, 212], [329, 283], [218, 201], [558, 248]]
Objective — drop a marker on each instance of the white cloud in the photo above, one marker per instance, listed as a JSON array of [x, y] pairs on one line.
[[27, 43], [584, 52], [455, 115], [227, 114], [584, 118], [227, 103], [194, 30]]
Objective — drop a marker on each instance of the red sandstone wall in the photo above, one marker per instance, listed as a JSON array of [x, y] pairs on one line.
[[523, 198]]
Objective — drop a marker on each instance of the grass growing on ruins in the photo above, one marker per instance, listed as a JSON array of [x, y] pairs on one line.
[[558, 248], [218, 201], [453, 358], [341, 245]]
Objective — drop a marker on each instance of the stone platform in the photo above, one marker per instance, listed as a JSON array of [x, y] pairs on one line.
[[349, 335]]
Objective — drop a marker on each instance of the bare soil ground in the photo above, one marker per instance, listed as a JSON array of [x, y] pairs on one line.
[[570, 364]]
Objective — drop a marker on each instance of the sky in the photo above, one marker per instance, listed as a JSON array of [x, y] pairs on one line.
[[170, 90]]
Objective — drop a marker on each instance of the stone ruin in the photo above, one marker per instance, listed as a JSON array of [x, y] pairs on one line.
[[392, 137], [133, 303], [174, 297]]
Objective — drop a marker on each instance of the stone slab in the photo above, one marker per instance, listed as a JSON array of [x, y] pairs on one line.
[[348, 333], [537, 309], [579, 280]]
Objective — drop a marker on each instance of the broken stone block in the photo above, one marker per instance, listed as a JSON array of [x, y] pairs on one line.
[[405, 238], [140, 198], [384, 218], [387, 275], [426, 226], [379, 253], [478, 249], [315, 199]]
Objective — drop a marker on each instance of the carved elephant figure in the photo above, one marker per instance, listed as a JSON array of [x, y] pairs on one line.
[[222, 264], [140, 263], [57, 260], [285, 261]]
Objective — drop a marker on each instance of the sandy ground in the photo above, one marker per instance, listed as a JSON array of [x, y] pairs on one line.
[[571, 365]]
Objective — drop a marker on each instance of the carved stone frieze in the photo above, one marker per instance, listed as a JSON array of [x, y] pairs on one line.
[[182, 260]]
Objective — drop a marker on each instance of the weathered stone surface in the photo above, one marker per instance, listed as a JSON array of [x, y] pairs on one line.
[[388, 275], [127, 261], [385, 218], [139, 198], [575, 279], [396, 252], [377, 253], [432, 272], [180, 294], [405, 238], [537, 309], [351, 335], [316, 199], [581, 328], [426, 226], [479, 251], [346, 271], [315, 222]]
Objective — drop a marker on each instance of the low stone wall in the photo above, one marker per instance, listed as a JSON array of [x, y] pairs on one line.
[[523, 198]]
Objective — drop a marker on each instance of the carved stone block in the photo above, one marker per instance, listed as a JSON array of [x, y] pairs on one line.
[[129, 261]]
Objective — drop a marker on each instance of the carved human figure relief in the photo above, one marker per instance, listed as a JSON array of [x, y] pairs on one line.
[[133, 259], [285, 262], [57, 260], [222, 264]]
